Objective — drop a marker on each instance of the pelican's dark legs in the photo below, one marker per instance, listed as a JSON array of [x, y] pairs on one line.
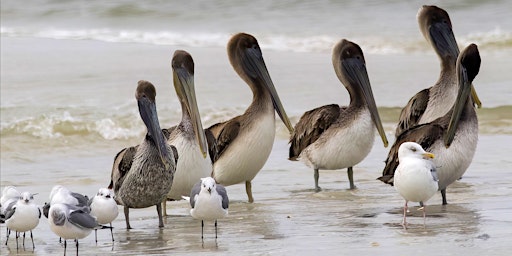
[[248, 189], [443, 194], [350, 174], [316, 175], [159, 211], [127, 217]]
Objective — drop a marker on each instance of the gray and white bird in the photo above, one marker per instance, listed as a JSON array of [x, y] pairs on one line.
[[71, 222], [104, 208], [21, 216], [209, 202], [416, 176]]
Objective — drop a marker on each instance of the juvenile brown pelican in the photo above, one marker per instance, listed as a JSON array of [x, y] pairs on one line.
[[243, 143], [333, 137], [434, 102], [452, 137], [188, 136], [142, 175]]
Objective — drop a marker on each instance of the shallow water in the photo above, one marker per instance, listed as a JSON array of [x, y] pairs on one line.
[[289, 218]]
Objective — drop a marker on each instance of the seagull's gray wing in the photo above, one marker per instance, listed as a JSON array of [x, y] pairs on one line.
[[10, 209], [194, 192], [80, 217], [222, 192], [83, 200]]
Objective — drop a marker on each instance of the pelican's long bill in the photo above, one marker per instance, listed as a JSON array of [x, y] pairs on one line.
[[465, 65], [255, 65], [147, 110], [184, 85], [356, 70]]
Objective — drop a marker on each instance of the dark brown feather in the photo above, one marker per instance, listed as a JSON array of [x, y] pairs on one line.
[[423, 134], [412, 112], [311, 126]]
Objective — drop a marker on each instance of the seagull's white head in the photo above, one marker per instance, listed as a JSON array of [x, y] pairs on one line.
[[105, 193], [27, 197], [208, 185], [413, 149]]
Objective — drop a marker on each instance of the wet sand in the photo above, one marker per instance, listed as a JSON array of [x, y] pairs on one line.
[[289, 218]]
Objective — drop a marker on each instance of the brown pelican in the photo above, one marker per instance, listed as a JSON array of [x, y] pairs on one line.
[[434, 102], [333, 137], [188, 136], [243, 143], [142, 175], [452, 137]]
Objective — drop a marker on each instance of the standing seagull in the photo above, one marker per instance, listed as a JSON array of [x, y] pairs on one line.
[[104, 208], [188, 136], [333, 137], [142, 175], [71, 222], [452, 137], [209, 202], [63, 195], [243, 143], [415, 177], [22, 216], [434, 102]]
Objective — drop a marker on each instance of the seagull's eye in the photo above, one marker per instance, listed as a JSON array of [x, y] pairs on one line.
[[413, 149]]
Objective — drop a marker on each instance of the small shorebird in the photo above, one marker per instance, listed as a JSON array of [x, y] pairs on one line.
[[143, 175], [415, 177], [104, 208], [21, 216], [243, 144], [452, 137], [188, 136], [209, 201], [71, 222], [434, 102], [333, 137]]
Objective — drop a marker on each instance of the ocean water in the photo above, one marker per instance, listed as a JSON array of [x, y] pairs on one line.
[[69, 70]]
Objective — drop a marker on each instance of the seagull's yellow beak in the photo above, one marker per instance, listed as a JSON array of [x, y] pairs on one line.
[[428, 155]]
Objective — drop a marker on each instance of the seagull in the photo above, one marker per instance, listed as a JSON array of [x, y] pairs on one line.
[[63, 195], [21, 216], [416, 176], [333, 137], [104, 208], [209, 202], [71, 222]]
